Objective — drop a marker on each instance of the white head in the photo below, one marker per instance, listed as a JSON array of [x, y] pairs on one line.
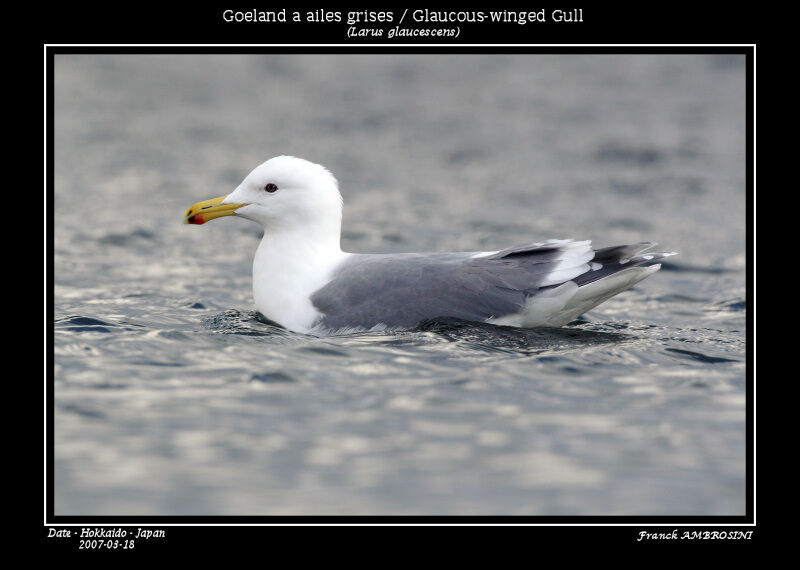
[[284, 192], [288, 190]]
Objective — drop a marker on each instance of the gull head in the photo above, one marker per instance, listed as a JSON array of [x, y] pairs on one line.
[[283, 192]]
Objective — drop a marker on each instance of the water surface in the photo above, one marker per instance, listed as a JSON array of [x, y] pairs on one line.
[[174, 396]]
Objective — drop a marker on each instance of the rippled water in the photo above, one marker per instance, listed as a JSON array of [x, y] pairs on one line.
[[174, 396]]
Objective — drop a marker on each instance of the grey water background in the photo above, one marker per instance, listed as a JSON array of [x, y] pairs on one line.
[[174, 397]]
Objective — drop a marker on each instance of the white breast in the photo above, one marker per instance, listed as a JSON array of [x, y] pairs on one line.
[[286, 273]]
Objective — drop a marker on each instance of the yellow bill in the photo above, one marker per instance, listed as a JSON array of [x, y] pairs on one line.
[[202, 212]]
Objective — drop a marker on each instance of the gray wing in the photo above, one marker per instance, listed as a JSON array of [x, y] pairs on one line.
[[401, 290]]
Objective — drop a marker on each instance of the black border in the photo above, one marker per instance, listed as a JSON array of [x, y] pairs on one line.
[[643, 23], [641, 523]]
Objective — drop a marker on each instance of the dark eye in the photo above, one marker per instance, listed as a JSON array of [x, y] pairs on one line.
[[270, 187]]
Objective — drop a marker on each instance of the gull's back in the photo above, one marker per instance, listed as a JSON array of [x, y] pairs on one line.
[[541, 284]]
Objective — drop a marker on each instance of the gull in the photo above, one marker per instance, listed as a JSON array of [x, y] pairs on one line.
[[303, 281]]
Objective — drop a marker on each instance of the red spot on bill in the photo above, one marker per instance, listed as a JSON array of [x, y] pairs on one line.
[[197, 219]]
